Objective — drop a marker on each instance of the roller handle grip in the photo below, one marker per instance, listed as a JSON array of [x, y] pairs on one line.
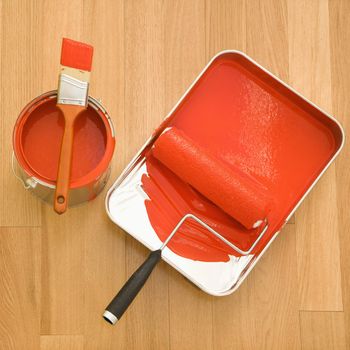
[[131, 288]]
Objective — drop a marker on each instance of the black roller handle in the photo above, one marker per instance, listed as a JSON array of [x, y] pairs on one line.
[[131, 288]]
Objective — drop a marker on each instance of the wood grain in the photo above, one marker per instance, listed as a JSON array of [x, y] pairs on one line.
[[62, 278], [225, 26], [57, 24], [322, 330], [263, 313], [57, 274], [21, 70], [61, 342], [267, 23], [104, 258], [316, 221], [340, 63], [245, 320], [63, 251], [144, 110], [267, 35], [189, 309], [19, 288]]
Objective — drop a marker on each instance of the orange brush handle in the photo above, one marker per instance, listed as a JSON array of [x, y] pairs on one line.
[[70, 113]]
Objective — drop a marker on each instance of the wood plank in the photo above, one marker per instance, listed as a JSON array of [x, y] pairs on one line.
[[144, 71], [258, 315], [62, 277], [184, 58], [267, 35], [190, 310], [233, 316], [316, 220], [191, 315], [61, 342], [144, 110], [225, 26], [20, 82], [19, 288], [340, 62], [322, 330], [57, 24], [63, 253], [276, 314], [318, 249], [104, 242]]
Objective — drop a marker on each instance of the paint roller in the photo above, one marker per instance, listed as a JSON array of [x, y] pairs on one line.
[[234, 192]]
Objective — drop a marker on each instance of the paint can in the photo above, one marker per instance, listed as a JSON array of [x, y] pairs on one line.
[[36, 147]]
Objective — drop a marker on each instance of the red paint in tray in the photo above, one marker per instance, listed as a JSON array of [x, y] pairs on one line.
[[250, 121]]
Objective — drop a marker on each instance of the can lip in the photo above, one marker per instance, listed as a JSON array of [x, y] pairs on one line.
[[84, 180]]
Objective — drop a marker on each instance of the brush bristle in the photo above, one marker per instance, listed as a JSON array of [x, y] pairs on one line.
[[76, 55]]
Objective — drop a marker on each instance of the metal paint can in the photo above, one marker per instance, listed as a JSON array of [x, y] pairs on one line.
[[36, 145]]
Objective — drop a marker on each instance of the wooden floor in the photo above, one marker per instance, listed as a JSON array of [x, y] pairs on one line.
[[58, 273]]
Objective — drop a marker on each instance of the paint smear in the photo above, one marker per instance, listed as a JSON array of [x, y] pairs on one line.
[[170, 199]]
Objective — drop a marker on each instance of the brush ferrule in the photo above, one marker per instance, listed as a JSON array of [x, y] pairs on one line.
[[72, 91]]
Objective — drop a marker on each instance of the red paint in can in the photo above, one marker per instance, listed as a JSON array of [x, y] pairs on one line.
[[37, 140]]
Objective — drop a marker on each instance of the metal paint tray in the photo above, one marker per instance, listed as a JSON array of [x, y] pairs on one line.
[[250, 119]]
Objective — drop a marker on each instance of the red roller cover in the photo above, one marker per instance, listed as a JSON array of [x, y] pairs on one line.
[[230, 189]]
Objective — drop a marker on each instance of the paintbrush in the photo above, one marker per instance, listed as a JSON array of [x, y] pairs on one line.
[[72, 99]]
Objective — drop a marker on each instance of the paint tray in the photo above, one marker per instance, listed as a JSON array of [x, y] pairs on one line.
[[250, 120]]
